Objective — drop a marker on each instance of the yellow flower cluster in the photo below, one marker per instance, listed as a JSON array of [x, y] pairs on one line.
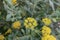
[[14, 2], [46, 32], [48, 37], [8, 31], [2, 37], [16, 25], [46, 21], [30, 23]]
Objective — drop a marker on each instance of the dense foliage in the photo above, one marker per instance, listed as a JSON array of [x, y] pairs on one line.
[[29, 20]]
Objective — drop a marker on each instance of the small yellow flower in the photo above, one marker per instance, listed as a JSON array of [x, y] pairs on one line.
[[2, 37], [46, 30], [16, 25], [8, 31], [45, 37], [46, 21], [48, 37], [52, 37], [30, 23], [14, 2]]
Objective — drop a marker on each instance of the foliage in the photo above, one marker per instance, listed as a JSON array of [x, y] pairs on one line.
[[13, 14]]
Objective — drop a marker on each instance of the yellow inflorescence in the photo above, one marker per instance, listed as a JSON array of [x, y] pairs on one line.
[[14, 2], [52, 37], [30, 23], [2, 37], [16, 25], [48, 37], [45, 37], [46, 34], [46, 21], [46, 30], [8, 31]]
